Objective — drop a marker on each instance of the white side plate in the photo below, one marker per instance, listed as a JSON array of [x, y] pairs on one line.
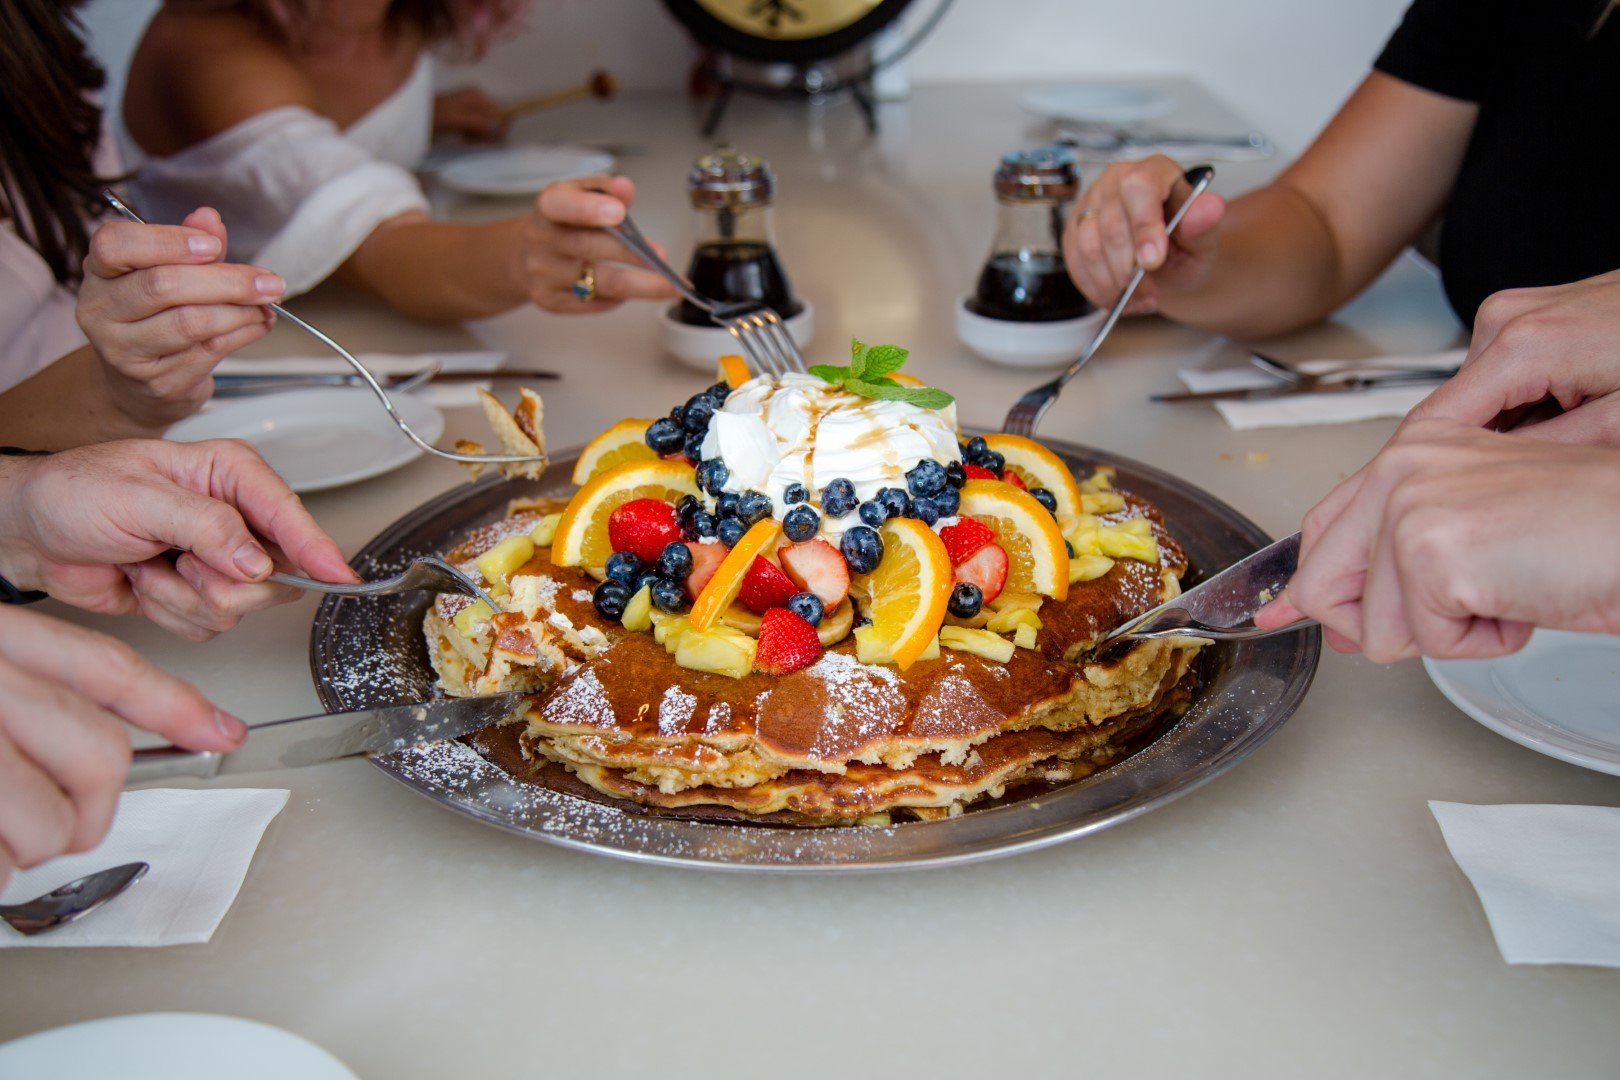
[[521, 170], [1099, 103], [169, 1046], [318, 439], [1559, 695]]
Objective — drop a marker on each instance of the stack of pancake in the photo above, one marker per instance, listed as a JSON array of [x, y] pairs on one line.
[[838, 741]]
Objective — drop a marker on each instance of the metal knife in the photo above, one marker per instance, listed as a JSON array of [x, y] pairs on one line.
[[239, 385], [1324, 386], [1223, 607], [310, 740]]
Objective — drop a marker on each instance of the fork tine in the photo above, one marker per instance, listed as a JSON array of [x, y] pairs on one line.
[[760, 330], [745, 341], [767, 335], [792, 358]]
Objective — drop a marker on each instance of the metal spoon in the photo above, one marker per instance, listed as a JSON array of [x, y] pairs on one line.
[[72, 901]]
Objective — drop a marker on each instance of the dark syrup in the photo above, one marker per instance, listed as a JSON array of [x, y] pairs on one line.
[[1033, 289], [738, 271]]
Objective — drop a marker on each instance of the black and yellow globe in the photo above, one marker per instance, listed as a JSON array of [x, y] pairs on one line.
[[787, 31]]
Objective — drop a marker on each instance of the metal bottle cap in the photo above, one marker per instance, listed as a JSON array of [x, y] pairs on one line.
[[1045, 174], [726, 178]]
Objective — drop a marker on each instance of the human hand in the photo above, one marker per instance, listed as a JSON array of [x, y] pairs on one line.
[[1119, 221], [1455, 542], [565, 232], [64, 751], [1531, 345], [161, 309], [470, 113], [92, 527]]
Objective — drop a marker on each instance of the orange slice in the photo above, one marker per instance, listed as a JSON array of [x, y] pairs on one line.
[[722, 589], [910, 588], [624, 441], [582, 534], [1036, 559], [733, 371], [1037, 467]]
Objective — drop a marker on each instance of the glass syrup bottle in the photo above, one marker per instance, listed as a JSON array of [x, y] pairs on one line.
[[735, 256], [1024, 280]]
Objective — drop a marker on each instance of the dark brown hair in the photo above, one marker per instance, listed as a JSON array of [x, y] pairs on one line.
[[472, 24], [49, 129]]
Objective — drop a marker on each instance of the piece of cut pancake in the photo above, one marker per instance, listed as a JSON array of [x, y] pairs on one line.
[[520, 431]]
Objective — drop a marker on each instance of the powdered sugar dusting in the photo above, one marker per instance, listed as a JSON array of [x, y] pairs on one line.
[[675, 711], [580, 701], [581, 596]]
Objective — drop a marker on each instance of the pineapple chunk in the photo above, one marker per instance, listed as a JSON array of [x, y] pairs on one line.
[[669, 630], [1016, 601], [1119, 544], [638, 612], [471, 618], [498, 562], [544, 533], [705, 650], [871, 647], [1003, 622], [979, 642], [1024, 637], [1137, 526], [932, 651], [1101, 480], [881, 819], [1088, 568], [1101, 502]]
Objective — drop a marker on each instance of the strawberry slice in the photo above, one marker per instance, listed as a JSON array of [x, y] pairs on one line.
[[706, 559], [1014, 479], [816, 566], [964, 539], [979, 472], [987, 570], [643, 527], [786, 643], [765, 587]]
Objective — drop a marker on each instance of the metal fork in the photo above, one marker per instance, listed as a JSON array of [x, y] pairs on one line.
[[760, 332], [365, 375], [426, 572], [1028, 410]]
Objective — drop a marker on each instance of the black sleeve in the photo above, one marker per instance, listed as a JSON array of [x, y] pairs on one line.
[[1452, 47]]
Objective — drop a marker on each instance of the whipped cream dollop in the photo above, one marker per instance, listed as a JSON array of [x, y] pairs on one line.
[[797, 428]]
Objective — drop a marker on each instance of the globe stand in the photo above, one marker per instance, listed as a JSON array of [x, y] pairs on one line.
[[813, 84]]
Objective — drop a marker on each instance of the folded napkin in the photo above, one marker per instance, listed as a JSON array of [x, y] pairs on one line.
[[199, 844], [445, 395], [1300, 410], [1548, 877]]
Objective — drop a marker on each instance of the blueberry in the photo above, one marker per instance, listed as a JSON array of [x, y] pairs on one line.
[[955, 475], [701, 524], [693, 449], [644, 579], [675, 562], [623, 566], [669, 595], [862, 548], [838, 498], [975, 449], [995, 462], [1068, 547], [1045, 498], [796, 494], [966, 600], [688, 506], [712, 476], [726, 505], [665, 436], [801, 523], [717, 394], [610, 599], [731, 530], [695, 417], [895, 501], [678, 414], [926, 478], [925, 510], [948, 502], [874, 513], [753, 507], [807, 606]]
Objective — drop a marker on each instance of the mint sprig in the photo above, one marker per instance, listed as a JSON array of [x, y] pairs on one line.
[[867, 374]]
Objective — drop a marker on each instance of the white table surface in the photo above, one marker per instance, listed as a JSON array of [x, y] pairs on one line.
[[1300, 916]]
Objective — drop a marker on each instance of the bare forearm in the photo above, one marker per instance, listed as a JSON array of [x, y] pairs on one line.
[[67, 404], [441, 270]]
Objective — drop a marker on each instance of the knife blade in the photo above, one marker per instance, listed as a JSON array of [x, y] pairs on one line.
[[310, 740], [1324, 386]]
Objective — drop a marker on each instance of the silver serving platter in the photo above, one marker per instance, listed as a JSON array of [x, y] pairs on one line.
[[371, 652]]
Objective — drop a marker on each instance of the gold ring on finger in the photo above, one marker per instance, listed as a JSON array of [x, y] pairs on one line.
[[585, 283]]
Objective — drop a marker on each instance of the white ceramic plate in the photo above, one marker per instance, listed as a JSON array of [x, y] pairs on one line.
[[1559, 695], [169, 1046], [1099, 103], [318, 439], [521, 170]]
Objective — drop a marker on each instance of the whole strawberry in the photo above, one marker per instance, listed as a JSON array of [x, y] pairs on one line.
[[786, 643], [643, 527]]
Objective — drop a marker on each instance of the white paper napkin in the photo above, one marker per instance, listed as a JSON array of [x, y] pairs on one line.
[[1093, 145], [199, 844], [446, 395], [1548, 877], [1299, 410]]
